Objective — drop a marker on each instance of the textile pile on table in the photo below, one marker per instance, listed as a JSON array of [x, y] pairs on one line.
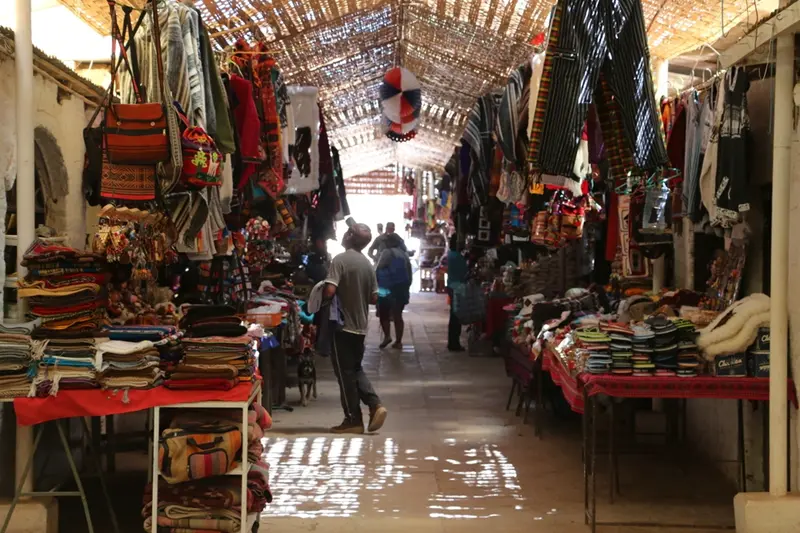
[[126, 364], [218, 353], [16, 359]]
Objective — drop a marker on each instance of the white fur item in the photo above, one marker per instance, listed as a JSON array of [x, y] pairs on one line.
[[740, 330]]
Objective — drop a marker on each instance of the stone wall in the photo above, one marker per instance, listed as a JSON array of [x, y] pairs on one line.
[[58, 115]]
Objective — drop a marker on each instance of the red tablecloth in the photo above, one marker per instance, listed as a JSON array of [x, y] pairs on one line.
[[560, 375], [731, 388], [98, 402]]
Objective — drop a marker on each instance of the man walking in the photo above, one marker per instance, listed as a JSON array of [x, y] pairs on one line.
[[379, 245], [351, 277]]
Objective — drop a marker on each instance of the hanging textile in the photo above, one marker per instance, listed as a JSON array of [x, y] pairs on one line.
[[478, 136], [508, 113], [305, 171], [731, 176], [270, 175], [537, 68], [248, 128], [578, 60], [708, 173]]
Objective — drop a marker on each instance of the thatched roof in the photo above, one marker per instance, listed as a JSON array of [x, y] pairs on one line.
[[458, 49]]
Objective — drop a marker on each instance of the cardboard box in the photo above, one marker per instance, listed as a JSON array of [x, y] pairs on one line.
[[758, 363], [730, 365], [762, 340]]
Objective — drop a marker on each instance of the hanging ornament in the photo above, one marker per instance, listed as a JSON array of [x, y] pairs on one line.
[[399, 128], [400, 95], [401, 138]]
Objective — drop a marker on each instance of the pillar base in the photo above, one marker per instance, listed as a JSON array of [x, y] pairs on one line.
[[761, 512], [38, 515]]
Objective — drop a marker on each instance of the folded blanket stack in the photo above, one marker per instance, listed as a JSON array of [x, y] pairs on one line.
[[129, 365], [166, 339], [65, 288], [258, 422], [214, 363], [218, 353], [65, 364], [16, 359]]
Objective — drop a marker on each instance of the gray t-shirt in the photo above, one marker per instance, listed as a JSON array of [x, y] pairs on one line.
[[354, 277]]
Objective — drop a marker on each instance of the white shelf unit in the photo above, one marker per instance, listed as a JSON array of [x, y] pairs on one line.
[[248, 521]]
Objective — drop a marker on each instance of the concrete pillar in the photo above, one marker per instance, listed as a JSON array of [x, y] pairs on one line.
[[779, 278], [777, 511], [26, 199]]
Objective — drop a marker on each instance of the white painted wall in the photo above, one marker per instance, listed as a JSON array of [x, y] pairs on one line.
[[65, 120]]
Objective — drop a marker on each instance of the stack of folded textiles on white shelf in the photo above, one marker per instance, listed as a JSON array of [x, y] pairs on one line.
[[16, 359], [129, 365], [210, 502]]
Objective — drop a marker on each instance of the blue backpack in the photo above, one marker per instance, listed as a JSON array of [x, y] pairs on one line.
[[393, 275]]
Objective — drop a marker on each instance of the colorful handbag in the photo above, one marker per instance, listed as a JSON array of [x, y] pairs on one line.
[[202, 162], [135, 133], [197, 452]]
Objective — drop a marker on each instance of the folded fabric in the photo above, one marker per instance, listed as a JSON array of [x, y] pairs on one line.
[[195, 313], [209, 493], [24, 328], [123, 347], [207, 384], [215, 330]]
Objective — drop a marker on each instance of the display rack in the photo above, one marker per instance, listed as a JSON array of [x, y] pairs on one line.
[[249, 522]]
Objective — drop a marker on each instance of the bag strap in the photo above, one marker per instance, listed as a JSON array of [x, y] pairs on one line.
[[206, 445], [118, 38], [157, 41], [109, 94]]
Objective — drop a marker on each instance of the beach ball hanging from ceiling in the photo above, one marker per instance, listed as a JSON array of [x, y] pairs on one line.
[[400, 95], [399, 132], [401, 128]]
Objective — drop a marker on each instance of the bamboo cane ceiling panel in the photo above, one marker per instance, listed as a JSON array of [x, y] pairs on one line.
[[458, 49]]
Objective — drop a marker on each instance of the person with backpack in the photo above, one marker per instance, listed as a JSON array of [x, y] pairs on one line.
[[394, 275]]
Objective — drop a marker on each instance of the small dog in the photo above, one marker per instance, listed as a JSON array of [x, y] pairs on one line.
[[307, 377]]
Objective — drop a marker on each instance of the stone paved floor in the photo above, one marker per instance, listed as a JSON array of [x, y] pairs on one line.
[[451, 460]]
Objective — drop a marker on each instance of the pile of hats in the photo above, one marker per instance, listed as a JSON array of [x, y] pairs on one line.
[[218, 353], [665, 346], [596, 346], [65, 364], [688, 352], [65, 288], [129, 365], [621, 348], [643, 340], [16, 359], [401, 102]]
